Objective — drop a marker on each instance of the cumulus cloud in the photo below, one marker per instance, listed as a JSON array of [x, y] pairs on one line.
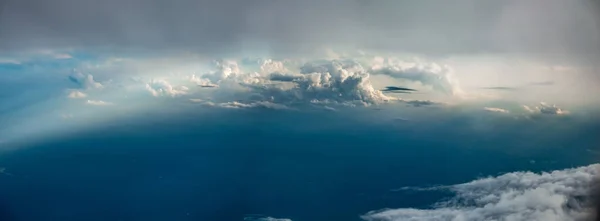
[[560, 195], [273, 66], [85, 81], [496, 110], [439, 77], [333, 81], [76, 94], [545, 108], [226, 69], [98, 103], [163, 88]]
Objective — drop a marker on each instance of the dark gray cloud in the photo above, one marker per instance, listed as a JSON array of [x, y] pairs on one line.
[[234, 26], [282, 77], [419, 103], [398, 89]]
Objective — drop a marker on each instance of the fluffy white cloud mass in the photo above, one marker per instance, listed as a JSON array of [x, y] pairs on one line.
[[544, 108], [519, 196], [163, 88], [333, 81]]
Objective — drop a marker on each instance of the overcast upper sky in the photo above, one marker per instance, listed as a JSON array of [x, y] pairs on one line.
[[540, 27]]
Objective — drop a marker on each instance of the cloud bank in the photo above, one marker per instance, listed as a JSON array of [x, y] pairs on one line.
[[561, 195]]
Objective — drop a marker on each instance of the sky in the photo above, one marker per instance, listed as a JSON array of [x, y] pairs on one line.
[[493, 68]]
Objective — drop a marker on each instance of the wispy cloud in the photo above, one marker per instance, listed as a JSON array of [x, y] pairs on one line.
[[495, 109], [98, 103]]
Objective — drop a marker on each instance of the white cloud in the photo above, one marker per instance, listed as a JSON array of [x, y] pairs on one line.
[[272, 66], [439, 77], [259, 104], [495, 109], [202, 82], [544, 108], [332, 81], [225, 69], [519, 196], [98, 103], [163, 88], [196, 100], [85, 81], [76, 94]]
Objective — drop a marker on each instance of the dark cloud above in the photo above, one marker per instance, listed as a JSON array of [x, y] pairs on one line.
[[294, 27], [398, 89]]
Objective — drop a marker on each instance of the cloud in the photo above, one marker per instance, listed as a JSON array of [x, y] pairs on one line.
[[500, 88], [231, 26], [226, 69], [560, 195], [495, 109], [544, 108], [163, 88], [273, 66], [283, 77], [398, 89], [98, 103], [333, 81], [85, 81], [263, 218], [202, 82], [76, 94], [259, 104], [419, 103], [439, 77]]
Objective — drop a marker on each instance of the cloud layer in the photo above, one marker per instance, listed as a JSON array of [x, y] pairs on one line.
[[229, 26], [560, 195]]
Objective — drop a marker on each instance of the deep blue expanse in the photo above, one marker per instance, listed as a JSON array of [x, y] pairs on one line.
[[224, 165]]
